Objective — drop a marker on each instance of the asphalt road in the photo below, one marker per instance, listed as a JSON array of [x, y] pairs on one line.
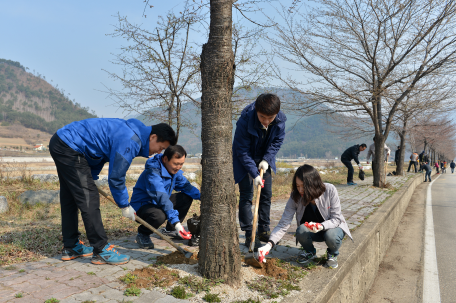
[[444, 215]]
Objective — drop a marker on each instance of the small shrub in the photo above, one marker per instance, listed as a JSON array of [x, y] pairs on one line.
[[132, 291], [52, 300], [179, 292], [212, 298], [129, 278], [18, 295], [91, 273], [21, 270]]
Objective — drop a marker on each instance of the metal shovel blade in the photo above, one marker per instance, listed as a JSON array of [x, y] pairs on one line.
[[188, 254], [252, 261]]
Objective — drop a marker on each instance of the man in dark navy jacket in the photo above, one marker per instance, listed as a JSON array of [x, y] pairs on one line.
[[349, 154], [80, 150], [260, 132]]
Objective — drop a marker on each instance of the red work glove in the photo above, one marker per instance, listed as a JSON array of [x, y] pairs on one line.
[[182, 232], [263, 251], [313, 227]]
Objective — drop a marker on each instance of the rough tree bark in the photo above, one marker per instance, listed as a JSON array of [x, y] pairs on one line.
[[219, 255]]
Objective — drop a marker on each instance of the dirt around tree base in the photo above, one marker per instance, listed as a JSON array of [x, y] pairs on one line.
[[177, 257], [271, 269], [151, 277]]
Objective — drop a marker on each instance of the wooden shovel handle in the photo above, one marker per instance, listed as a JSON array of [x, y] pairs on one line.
[[150, 227], [255, 214]]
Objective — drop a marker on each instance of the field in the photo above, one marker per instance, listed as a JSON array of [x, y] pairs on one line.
[[18, 135]]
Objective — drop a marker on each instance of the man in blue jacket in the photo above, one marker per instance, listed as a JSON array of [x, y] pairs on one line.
[[260, 132], [80, 150], [153, 198]]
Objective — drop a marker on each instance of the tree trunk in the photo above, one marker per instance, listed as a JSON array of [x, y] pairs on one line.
[[400, 165], [378, 162], [219, 255]]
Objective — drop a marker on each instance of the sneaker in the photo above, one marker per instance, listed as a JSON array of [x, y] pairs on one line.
[[248, 241], [264, 236], [79, 250], [351, 183], [109, 256], [331, 262], [144, 241], [170, 233], [306, 258]]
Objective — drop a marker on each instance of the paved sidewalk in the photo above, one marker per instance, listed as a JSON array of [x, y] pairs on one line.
[[80, 281]]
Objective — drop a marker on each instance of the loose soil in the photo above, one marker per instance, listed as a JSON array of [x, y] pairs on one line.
[[177, 257], [271, 269], [154, 276]]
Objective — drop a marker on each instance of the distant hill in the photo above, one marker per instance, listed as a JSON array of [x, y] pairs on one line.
[[34, 103], [305, 136]]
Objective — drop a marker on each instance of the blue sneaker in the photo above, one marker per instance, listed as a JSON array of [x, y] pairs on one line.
[[79, 250], [351, 183], [109, 256]]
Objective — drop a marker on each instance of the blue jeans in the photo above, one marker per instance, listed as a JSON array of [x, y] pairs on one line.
[[428, 174], [245, 204], [452, 170], [332, 237]]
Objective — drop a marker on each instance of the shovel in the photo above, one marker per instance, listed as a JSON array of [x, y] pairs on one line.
[[186, 253], [250, 258]]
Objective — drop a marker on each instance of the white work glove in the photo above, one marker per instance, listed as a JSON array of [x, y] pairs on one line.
[[360, 166], [258, 181], [263, 165], [181, 232], [263, 251], [129, 212], [313, 227]]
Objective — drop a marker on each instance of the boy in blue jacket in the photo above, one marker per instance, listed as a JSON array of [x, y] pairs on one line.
[[153, 198], [259, 135], [80, 150]]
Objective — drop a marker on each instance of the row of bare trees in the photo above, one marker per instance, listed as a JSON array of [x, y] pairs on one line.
[[386, 65]]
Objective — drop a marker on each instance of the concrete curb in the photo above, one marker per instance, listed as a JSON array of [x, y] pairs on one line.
[[358, 260]]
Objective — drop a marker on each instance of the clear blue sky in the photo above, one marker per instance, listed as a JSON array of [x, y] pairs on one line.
[[66, 42]]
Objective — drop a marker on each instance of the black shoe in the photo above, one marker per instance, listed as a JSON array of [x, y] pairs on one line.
[[264, 236], [248, 241], [144, 241]]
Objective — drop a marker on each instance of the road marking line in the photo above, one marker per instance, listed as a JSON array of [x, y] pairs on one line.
[[431, 287]]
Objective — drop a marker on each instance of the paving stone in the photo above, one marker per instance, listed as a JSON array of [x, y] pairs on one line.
[[168, 299], [150, 297]]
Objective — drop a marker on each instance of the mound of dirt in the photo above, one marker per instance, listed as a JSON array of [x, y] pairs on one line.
[[271, 269], [177, 257], [154, 276]]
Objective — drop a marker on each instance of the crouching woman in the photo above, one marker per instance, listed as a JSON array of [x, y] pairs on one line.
[[317, 205]]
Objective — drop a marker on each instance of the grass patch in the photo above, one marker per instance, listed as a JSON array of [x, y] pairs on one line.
[[180, 293], [52, 300], [18, 295], [132, 291], [212, 298], [198, 285]]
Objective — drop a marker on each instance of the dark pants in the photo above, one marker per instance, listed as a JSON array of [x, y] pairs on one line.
[[350, 170], [245, 204], [77, 191], [410, 165], [155, 216]]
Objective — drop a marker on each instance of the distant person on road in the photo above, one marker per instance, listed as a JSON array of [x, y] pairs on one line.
[[260, 132], [397, 156], [436, 165], [452, 166], [349, 154], [80, 150], [427, 168], [153, 198], [315, 204], [371, 152], [413, 161]]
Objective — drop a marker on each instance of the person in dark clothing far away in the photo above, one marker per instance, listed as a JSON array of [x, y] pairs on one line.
[[452, 166], [153, 198], [397, 155], [349, 154], [80, 150], [421, 160], [427, 168], [259, 134]]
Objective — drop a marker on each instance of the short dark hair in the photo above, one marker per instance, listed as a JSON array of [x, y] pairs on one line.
[[164, 133], [363, 145], [313, 186], [268, 104], [176, 150], [373, 138]]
